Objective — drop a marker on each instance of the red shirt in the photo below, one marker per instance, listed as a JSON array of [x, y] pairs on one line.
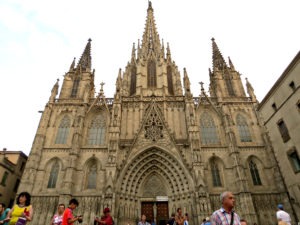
[[108, 220], [68, 214]]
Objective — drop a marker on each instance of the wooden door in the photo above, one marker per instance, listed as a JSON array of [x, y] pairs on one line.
[[162, 213], [147, 209]]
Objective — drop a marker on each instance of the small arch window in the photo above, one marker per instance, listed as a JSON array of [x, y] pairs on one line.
[[243, 129]]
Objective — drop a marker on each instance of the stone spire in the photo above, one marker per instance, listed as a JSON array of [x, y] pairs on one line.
[[218, 60], [230, 64], [85, 61], [133, 57], [73, 64], [150, 40], [250, 90]]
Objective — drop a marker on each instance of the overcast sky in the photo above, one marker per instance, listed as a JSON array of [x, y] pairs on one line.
[[38, 40]]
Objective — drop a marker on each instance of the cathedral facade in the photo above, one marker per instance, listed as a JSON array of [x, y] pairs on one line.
[[154, 146]]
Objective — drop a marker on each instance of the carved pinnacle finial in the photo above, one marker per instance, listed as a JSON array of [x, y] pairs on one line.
[[101, 84], [201, 84]]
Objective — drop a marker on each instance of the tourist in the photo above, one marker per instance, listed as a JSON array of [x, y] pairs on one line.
[[171, 220], [225, 215], [207, 221], [3, 214], [57, 218], [243, 222], [283, 215], [179, 217], [106, 219], [186, 219], [143, 220], [68, 217], [22, 211]]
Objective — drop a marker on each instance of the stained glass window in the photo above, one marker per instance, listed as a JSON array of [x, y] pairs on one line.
[[53, 175], [75, 87], [97, 131], [170, 80], [254, 173], [208, 130], [63, 131], [133, 81], [92, 177], [151, 74], [243, 129]]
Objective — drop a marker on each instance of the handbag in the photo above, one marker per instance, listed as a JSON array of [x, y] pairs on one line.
[[21, 221]]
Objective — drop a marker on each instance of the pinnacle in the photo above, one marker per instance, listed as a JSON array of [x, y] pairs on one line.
[[86, 60]]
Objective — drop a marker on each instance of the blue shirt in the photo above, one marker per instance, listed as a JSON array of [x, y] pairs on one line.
[[3, 215]]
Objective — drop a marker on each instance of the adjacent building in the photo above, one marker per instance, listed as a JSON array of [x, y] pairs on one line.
[[12, 165], [154, 146], [280, 110]]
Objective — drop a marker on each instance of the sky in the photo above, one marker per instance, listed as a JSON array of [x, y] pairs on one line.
[[39, 39]]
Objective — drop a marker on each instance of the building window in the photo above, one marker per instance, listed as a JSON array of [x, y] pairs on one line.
[[92, 177], [16, 185], [133, 81], [215, 174], [170, 80], [295, 161], [75, 87], [243, 129], [97, 131], [151, 74], [254, 173], [63, 131], [208, 130], [292, 85], [229, 85], [53, 175], [283, 130], [274, 107], [4, 178]]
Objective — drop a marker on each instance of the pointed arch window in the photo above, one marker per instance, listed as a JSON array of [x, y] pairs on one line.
[[229, 85], [75, 87], [151, 74], [208, 130], [215, 174], [97, 131], [133, 81], [53, 175], [92, 176], [243, 129], [63, 131], [254, 173], [170, 80]]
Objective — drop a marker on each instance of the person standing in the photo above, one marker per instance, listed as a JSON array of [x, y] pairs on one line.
[[243, 222], [57, 218], [283, 215], [207, 221], [68, 217], [186, 219], [171, 220], [143, 220], [22, 210], [226, 215], [179, 219], [106, 219], [3, 214]]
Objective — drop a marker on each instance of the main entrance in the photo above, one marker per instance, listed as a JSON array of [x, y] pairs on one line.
[[156, 211]]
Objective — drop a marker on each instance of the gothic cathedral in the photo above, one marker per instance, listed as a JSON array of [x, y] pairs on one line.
[[154, 146]]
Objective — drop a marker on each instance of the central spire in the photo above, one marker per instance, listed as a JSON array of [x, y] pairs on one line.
[[150, 40]]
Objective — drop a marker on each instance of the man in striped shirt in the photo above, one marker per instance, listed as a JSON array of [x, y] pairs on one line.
[[226, 215]]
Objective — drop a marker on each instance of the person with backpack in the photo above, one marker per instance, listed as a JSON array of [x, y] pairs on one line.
[[106, 219]]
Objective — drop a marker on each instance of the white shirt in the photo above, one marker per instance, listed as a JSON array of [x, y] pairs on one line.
[[284, 216]]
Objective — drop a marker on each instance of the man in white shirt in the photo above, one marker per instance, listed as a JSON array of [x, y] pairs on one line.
[[282, 215]]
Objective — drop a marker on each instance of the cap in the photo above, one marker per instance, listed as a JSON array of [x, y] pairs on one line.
[[106, 210], [280, 206], [207, 218]]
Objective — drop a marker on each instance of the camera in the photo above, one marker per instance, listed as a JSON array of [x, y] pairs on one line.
[[79, 219]]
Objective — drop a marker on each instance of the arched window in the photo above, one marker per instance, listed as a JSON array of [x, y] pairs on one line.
[[151, 74], [75, 87], [229, 86], [208, 130], [170, 80], [63, 131], [97, 131], [254, 173], [215, 174], [243, 129], [92, 176], [53, 175], [133, 81]]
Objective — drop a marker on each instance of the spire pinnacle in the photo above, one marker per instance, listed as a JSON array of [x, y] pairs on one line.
[[186, 82], [133, 53], [218, 60], [86, 60], [151, 41], [230, 64], [250, 90], [168, 52], [73, 64]]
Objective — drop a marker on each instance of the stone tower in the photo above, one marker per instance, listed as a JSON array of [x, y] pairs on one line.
[[154, 147]]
